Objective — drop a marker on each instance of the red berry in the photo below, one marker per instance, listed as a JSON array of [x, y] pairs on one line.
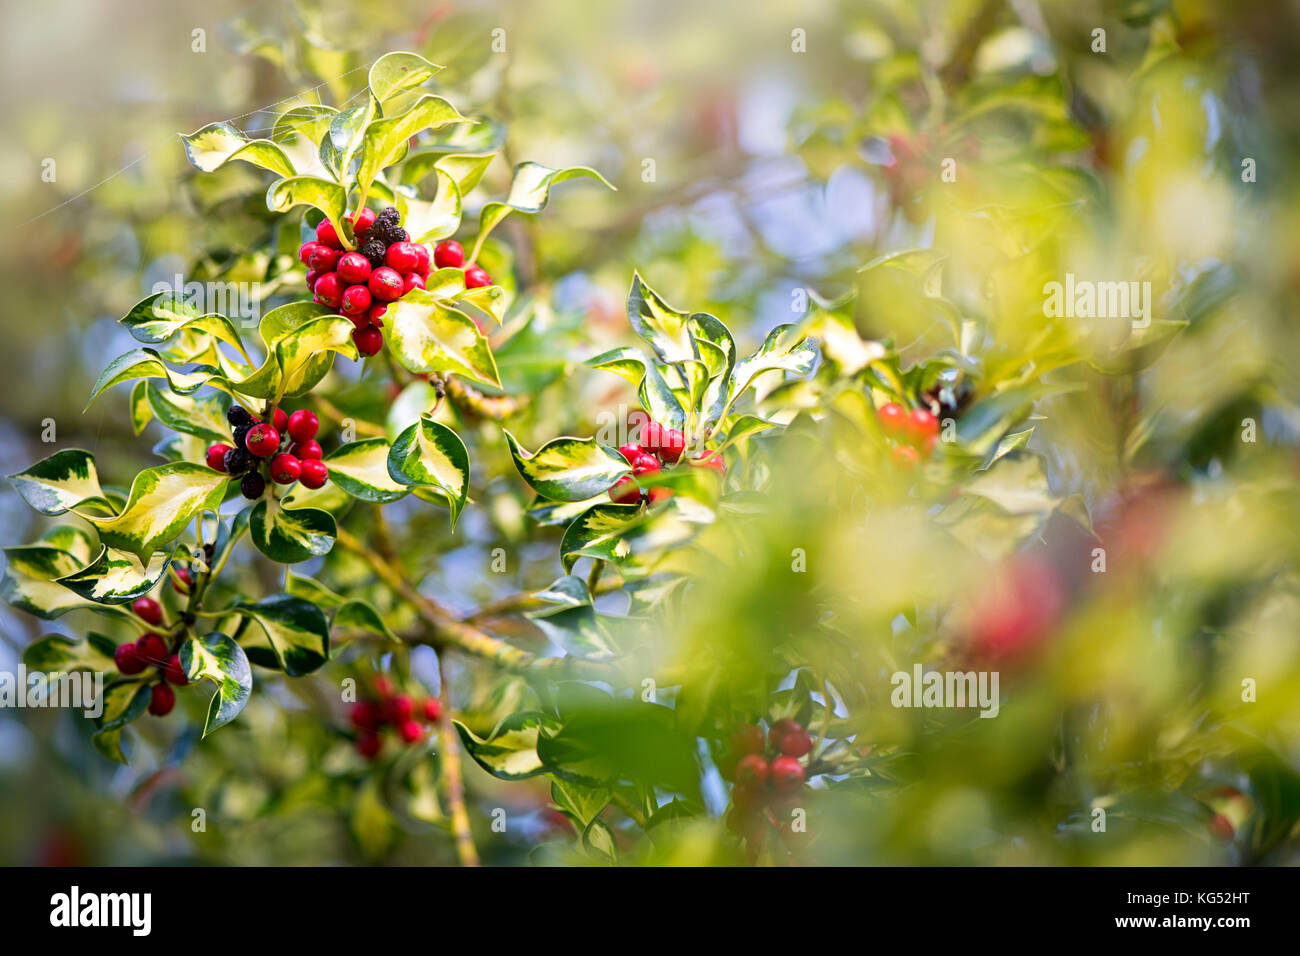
[[906, 456], [671, 444], [365, 715], [280, 419], [631, 451], [152, 649], [892, 418], [625, 491], [263, 440], [285, 469], [711, 460], [305, 251], [645, 464], [362, 222], [356, 300], [148, 610], [652, 436], [383, 686], [329, 290], [410, 731], [786, 774], [184, 580], [402, 257], [660, 494], [326, 235], [385, 284], [795, 744], [376, 315], [216, 456], [751, 770], [780, 728], [310, 279], [448, 254], [353, 268], [368, 340], [432, 709], [314, 473], [401, 709], [174, 673], [369, 745], [1221, 827], [413, 280], [747, 739], [748, 797], [422, 259], [162, 700], [303, 425], [476, 278], [922, 426], [304, 450], [323, 259], [127, 659]]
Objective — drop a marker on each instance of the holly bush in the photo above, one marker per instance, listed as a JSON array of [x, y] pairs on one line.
[[437, 566]]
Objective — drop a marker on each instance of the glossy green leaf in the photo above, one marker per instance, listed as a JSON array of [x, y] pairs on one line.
[[568, 469], [386, 140], [321, 194], [510, 752], [64, 481], [665, 329], [217, 658], [58, 652], [425, 335], [399, 72], [430, 454], [361, 469], [216, 144], [296, 629], [124, 701], [116, 577], [530, 190], [162, 501], [148, 363], [342, 612], [290, 535]]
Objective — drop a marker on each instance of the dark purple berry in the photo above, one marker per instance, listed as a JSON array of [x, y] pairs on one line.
[[238, 461], [252, 485]]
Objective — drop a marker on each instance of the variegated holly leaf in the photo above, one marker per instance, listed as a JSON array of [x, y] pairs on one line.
[[786, 349], [632, 538], [218, 659], [298, 131], [568, 469], [117, 577], [341, 148], [290, 535], [530, 190], [434, 219], [148, 363], [30, 582], [65, 481], [569, 619], [361, 469], [665, 329], [627, 363], [490, 300], [300, 338], [162, 501], [510, 752], [296, 629], [79, 542], [342, 612], [203, 416], [429, 454], [598, 533], [321, 194], [124, 701], [157, 318], [387, 139], [426, 335], [396, 73], [58, 652], [658, 399], [216, 144]]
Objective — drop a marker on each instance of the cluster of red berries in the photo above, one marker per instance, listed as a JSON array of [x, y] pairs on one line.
[[659, 446], [909, 431], [151, 650], [255, 442], [398, 711], [360, 284]]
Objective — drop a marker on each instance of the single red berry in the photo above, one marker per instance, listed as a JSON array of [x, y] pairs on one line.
[[432, 709], [304, 450], [365, 715], [652, 435], [779, 728], [748, 797], [285, 469], [314, 473], [329, 290], [216, 456], [906, 456], [369, 745], [161, 700], [625, 491], [368, 340], [148, 610], [448, 254], [751, 770], [786, 774], [671, 444], [922, 426], [385, 284], [631, 451], [327, 236], [173, 673], [323, 259], [152, 649], [402, 257], [747, 739], [356, 301], [263, 440], [410, 731], [412, 280], [712, 460], [476, 277], [376, 315], [362, 222], [184, 580], [127, 659], [310, 279], [401, 709], [353, 268], [892, 418], [383, 686], [305, 251], [280, 419], [795, 744], [303, 425], [423, 260], [656, 495], [645, 464]]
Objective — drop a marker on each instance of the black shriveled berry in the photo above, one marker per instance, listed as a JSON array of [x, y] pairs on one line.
[[238, 415], [252, 485], [237, 461], [374, 250], [388, 214], [241, 432], [398, 234]]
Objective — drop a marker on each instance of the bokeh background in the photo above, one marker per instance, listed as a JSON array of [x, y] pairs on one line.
[[767, 179]]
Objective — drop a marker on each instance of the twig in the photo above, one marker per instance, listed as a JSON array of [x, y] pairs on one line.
[[455, 782], [470, 400]]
